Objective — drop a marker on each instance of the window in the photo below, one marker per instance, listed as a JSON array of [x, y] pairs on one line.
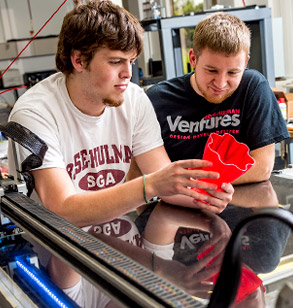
[[186, 7]]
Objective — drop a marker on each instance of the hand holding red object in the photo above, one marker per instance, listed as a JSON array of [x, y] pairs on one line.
[[248, 283], [230, 158]]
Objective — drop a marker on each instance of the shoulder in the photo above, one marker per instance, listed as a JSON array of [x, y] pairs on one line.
[[174, 83], [47, 85], [135, 95], [254, 76], [254, 82], [43, 98], [44, 88], [174, 86], [133, 89], [136, 101], [44, 94]]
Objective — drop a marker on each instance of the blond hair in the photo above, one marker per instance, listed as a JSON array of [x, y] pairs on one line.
[[222, 33]]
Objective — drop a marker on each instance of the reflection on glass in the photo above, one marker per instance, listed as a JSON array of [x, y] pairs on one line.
[[201, 238], [158, 237], [185, 247]]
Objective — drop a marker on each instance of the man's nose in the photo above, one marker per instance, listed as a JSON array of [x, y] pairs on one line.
[[220, 81], [126, 72]]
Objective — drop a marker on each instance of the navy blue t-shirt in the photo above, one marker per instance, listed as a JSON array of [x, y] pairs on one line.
[[251, 114]]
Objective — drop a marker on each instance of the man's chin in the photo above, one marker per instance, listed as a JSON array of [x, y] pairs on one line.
[[113, 103], [215, 100]]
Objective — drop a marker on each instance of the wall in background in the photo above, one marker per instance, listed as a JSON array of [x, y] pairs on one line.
[[280, 9], [41, 10], [284, 9], [15, 24], [19, 27]]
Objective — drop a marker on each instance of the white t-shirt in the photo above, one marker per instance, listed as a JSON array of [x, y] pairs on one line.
[[95, 151]]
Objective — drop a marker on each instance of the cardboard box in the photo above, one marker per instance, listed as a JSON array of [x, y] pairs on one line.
[[281, 94], [289, 97], [288, 100]]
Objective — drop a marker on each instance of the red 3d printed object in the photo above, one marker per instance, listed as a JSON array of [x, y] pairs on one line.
[[230, 158]]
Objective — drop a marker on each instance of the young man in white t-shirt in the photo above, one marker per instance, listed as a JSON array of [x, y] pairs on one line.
[[94, 121]]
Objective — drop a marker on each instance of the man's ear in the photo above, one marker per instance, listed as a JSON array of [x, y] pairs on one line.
[[247, 59], [76, 60], [192, 58]]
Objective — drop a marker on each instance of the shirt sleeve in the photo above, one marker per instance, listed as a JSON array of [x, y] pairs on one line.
[[147, 131], [42, 127], [264, 123]]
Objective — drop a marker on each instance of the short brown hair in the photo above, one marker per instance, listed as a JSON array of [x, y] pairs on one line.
[[223, 33], [97, 24]]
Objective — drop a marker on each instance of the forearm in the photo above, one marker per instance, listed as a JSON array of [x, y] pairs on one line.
[[165, 220], [180, 200], [65, 277], [264, 158], [136, 253], [62, 274], [94, 207], [97, 207], [258, 173], [58, 194], [213, 200], [256, 195]]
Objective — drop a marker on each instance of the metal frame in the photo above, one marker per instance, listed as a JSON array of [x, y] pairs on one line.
[[105, 267], [170, 39]]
